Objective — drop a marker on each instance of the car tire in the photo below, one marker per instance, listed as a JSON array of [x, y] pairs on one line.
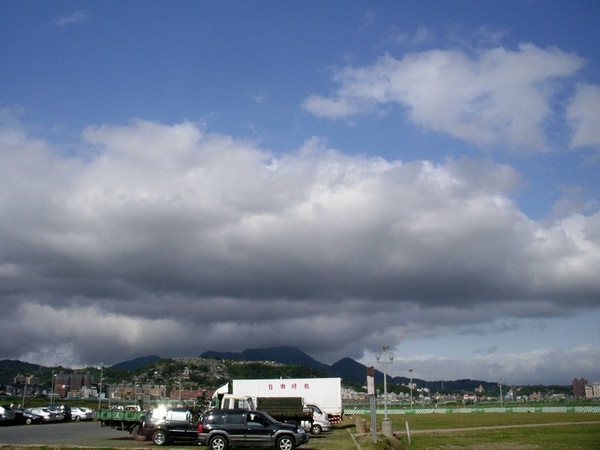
[[285, 443], [137, 434], [218, 443], [77, 418], [29, 421], [316, 429], [160, 437]]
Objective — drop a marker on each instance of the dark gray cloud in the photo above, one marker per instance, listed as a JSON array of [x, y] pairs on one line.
[[171, 240]]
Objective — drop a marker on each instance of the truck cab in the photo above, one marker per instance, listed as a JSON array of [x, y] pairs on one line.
[[318, 413], [229, 401]]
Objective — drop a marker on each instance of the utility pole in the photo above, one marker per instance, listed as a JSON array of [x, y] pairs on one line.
[[100, 387], [411, 388], [500, 385], [386, 424]]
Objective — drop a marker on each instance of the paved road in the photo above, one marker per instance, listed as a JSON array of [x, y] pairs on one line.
[[85, 434]]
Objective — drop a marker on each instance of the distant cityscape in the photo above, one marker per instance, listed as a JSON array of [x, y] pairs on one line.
[[75, 385], [583, 389]]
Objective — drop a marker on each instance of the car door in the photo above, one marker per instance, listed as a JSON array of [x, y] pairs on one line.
[[234, 424], [258, 430], [180, 427]]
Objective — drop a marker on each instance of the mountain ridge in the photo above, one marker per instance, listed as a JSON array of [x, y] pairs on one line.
[[348, 369]]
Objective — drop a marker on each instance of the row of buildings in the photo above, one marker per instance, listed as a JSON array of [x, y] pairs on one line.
[[583, 389], [82, 385], [78, 385]]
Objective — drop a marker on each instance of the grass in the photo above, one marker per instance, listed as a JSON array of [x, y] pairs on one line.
[[472, 431]]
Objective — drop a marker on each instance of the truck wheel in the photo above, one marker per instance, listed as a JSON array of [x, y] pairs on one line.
[[137, 434], [218, 443], [160, 437], [285, 443], [316, 429]]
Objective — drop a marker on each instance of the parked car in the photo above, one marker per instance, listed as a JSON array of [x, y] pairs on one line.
[[78, 413], [169, 425], [64, 410], [317, 427], [91, 411], [48, 415], [221, 429], [26, 417], [7, 414]]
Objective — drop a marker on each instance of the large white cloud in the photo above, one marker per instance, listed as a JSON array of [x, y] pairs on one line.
[[584, 115], [496, 97], [166, 239]]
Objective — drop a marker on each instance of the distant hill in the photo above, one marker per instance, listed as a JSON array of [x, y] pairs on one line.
[[9, 368], [349, 370], [283, 355], [136, 363]]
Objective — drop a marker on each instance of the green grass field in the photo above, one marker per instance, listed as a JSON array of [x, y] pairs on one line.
[[506, 431]]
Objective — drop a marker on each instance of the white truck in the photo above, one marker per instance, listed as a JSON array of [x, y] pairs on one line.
[[322, 395], [283, 409]]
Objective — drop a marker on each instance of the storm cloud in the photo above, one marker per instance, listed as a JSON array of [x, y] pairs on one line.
[[172, 240]]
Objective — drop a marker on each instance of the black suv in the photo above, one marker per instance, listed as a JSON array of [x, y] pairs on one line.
[[221, 429], [168, 425]]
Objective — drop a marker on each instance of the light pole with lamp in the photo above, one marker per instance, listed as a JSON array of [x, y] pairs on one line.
[[500, 386], [100, 387], [23, 400], [53, 388], [411, 388], [386, 424]]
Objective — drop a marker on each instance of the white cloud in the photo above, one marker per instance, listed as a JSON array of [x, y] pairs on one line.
[[497, 98], [421, 36], [584, 116], [78, 16], [152, 233]]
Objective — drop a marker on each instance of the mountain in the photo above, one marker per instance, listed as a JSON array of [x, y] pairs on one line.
[[353, 372], [9, 368], [346, 368], [283, 355], [349, 370], [136, 363]]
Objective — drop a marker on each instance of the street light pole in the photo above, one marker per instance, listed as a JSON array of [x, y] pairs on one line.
[[411, 388], [500, 385], [53, 388], [23, 401], [386, 425], [100, 387]]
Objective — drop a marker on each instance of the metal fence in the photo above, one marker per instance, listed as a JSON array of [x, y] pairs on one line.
[[461, 410]]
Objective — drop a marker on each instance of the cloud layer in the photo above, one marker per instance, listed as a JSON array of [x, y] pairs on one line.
[[168, 239], [492, 97]]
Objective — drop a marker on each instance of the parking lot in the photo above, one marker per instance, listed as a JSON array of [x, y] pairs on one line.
[[91, 435], [87, 434]]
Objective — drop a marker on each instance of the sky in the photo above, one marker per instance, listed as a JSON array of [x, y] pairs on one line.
[[183, 176]]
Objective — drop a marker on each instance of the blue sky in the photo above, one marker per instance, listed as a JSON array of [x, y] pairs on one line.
[[422, 175]]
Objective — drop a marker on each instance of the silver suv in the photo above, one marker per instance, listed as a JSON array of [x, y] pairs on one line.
[[221, 429]]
